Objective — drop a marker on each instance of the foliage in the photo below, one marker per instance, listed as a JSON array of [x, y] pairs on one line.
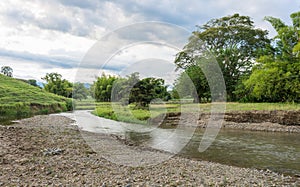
[[131, 114], [141, 116], [55, 84], [276, 77], [7, 71], [106, 111], [102, 88], [129, 90], [234, 42], [193, 79], [123, 86], [79, 91], [147, 89], [19, 99], [32, 82]]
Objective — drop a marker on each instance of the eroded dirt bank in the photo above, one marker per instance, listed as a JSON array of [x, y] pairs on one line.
[[273, 121], [47, 151]]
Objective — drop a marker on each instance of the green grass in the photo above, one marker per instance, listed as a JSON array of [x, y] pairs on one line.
[[118, 112], [129, 114], [19, 100], [233, 106]]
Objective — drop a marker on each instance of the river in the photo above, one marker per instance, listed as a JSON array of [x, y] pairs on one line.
[[279, 152]]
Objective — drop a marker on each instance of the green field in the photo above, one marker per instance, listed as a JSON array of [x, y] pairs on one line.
[[129, 114], [19, 99]]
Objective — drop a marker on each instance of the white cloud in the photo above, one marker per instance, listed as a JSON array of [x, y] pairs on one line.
[[64, 30]]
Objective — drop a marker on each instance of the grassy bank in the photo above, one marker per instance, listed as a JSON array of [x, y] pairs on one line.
[[118, 112], [131, 115], [19, 100]]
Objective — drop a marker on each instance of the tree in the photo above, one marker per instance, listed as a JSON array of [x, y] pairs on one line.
[[79, 91], [103, 88], [147, 89], [193, 83], [129, 89], [235, 43], [32, 82], [55, 84], [276, 77], [7, 71], [123, 86]]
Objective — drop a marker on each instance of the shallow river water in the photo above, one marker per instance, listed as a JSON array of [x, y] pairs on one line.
[[278, 152]]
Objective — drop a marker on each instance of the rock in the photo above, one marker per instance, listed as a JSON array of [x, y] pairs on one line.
[[52, 151]]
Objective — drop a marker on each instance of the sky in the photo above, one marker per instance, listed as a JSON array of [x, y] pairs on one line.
[[81, 39]]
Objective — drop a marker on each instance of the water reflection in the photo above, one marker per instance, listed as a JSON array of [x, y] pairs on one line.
[[275, 151]]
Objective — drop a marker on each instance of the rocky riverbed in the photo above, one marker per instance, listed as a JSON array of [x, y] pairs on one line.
[[49, 151]]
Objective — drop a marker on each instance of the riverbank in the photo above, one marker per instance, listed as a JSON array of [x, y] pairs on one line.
[[270, 121], [47, 150]]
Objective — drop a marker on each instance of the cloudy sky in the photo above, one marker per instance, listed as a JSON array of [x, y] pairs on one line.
[[40, 36]]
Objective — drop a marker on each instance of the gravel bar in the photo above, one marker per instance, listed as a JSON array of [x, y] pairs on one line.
[[49, 151]]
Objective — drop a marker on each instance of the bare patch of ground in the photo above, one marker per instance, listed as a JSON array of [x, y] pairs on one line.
[[273, 121]]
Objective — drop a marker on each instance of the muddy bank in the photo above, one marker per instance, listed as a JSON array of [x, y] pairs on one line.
[[273, 121], [47, 151]]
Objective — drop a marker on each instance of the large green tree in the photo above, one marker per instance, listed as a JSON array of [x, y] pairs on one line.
[[55, 84], [147, 89], [132, 89], [233, 41], [277, 76]]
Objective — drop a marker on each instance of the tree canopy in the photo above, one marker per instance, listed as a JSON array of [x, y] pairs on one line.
[[7, 71], [193, 78], [103, 87], [235, 43], [55, 84], [147, 89], [130, 89], [277, 76]]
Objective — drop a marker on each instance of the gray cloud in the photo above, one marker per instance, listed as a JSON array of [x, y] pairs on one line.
[[45, 61], [94, 19], [87, 4], [80, 17]]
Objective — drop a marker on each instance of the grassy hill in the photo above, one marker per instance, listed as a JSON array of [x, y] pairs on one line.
[[19, 99]]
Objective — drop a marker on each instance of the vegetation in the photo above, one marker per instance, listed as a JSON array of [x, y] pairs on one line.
[[80, 91], [234, 42], [55, 84], [146, 90], [276, 78], [19, 99], [255, 69], [192, 82], [32, 82], [129, 113], [129, 90], [103, 87], [7, 71]]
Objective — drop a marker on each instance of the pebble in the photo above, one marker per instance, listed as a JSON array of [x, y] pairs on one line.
[[74, 169]]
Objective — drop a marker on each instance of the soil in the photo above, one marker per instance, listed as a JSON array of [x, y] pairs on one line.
[[273, 121]]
